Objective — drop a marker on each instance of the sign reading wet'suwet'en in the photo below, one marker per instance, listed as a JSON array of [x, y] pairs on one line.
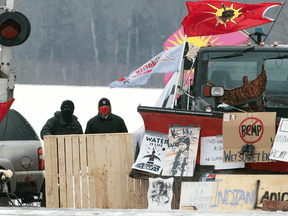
[[248, 129]]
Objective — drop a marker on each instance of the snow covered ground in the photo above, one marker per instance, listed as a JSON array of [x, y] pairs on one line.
[[128, 212], [37, 103]]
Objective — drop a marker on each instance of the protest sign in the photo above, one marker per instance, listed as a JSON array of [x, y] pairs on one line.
[[180, 159], [160, 193], [280, 146], [212, 154], [240, 129], [198, 194], [152, 153]]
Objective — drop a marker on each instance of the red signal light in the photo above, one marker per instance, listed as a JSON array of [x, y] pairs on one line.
[[15, 28], [9, 29]]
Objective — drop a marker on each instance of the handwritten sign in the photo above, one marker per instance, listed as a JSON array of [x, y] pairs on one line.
[[247, 192], [160, 193], [240, 129], [152, 153], [212, 154], [180, 159], [280, 147], [198, 194]]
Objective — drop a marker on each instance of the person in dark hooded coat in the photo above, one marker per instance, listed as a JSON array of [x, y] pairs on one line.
[[63, 122], [105, 121]]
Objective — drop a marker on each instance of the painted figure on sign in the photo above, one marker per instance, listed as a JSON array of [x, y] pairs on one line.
[[181, 160], [160, 193]]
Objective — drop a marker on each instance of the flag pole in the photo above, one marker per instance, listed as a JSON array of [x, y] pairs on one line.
[[180, 73], [247, 33], [275, 20]]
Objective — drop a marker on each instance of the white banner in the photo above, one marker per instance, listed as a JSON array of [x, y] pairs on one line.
[[165, 62]]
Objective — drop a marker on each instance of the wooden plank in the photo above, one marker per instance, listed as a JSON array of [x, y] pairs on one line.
[[69, 171], [104, 171], [124, 172], [145, 193], [91, 170], [111, 172], [115, 144], [273, 205], [83, 159], [129, 162], [48, 170], [62, 172], [54, 171], [137, 194], [97, 172], [76, 171]]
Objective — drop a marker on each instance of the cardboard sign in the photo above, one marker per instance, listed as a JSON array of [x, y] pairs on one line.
[[239, 129], [280, 147], [198, 194], [152, 153], [212, 154], [247, 192], [180, 159], [160, 193]]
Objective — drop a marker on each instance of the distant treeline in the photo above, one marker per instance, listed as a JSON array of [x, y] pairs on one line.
[[94, 42]]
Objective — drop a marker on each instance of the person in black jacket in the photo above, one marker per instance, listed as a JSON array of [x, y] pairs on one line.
[[63, 122], [105, 121]]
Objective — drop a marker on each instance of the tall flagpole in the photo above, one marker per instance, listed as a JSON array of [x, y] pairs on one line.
[[180, 73]]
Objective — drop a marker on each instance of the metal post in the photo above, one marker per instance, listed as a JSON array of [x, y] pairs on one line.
[[7, 81], [180, 73]]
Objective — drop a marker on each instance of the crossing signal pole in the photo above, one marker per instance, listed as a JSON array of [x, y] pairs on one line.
[[14, 30]]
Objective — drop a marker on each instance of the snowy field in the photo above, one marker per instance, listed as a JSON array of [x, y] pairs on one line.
[[37, 103]]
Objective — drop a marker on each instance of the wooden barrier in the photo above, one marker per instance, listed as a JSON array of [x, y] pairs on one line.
[[92, 171]]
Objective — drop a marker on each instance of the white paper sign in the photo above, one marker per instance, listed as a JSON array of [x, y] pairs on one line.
[[160, 193], [212, 154], [279, 150], [198, 194], [152, 153]]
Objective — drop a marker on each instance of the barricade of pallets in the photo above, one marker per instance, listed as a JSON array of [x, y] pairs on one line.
[[92, 171]]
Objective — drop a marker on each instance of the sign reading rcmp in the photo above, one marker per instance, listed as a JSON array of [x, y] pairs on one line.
[[251, 130], [239, 129]]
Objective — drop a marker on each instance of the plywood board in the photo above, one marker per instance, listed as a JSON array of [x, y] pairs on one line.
[[247, 192]]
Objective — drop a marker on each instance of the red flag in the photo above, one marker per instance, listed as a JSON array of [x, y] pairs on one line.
[[221, 17], [4, 108]]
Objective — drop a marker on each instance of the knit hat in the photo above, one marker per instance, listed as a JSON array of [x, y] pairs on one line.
[[104, 102], [67, 104]]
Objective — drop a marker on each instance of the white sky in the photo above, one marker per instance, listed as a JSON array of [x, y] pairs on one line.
[[37, 103]]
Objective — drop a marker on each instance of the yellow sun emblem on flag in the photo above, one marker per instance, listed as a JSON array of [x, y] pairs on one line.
[[225, 14]]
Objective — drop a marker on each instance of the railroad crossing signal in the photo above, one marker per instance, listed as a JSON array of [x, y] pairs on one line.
[[15, 28]]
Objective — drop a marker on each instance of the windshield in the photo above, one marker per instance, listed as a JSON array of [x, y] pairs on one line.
[[227, 70]]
